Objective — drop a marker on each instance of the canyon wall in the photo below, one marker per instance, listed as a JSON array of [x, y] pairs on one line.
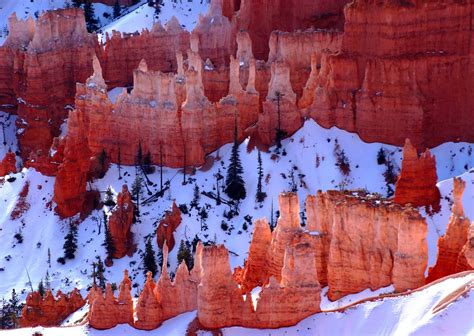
[[401, 73]]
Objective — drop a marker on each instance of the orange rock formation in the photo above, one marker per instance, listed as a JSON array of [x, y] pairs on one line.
[[168, 225], [417, 181], [450, 258], [120, 223], [48, 310], [8, 164]]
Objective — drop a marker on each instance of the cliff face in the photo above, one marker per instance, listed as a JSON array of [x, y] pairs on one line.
[[455, 242], [284, 15], [48, 310], [47, 62], [120, 223], [400, 73], [417, 181]]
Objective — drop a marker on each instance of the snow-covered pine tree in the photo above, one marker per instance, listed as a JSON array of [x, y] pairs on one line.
[[109, 197], [196, 196], [234, 184], [100, 273], [149, 260]]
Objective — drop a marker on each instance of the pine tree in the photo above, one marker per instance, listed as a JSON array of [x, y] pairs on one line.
[[70, 244], [100, 270], [117, 9], [47, 280], [196, 197], [148, 167], [108, 242], [149, 261], [14, 309], [151, 3], [89, 14], [137, 191], [77, 3], [119, 163], [218, 177], [235, 185], [109, 197], [41, 288], [49, 257], [158, 5], [260, 194], [184, 253]]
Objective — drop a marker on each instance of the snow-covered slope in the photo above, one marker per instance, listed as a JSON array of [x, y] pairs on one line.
[[413, 314], [309, 153], [187, 12]]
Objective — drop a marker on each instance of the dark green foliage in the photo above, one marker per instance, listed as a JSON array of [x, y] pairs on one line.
[[117, 9], [10, 312], [234, 184], [108, 242], [100, 270], [184, 253], [381, 159], [77, 3], [260, 196], [196, 197], [91, 21], [109, 197], [149, 260], [41, 288], [70, 242]]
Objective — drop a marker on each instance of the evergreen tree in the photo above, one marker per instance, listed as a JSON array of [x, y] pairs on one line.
[[47, 280], [89, 14], [100, 273], [137, 192], [158, 5], [77, 3], [117, 9], [151, 3], [149, 261], [260, 194], [196, 197], [119, 163], [109, 197], [280, 134], [41, 288], [108, 242], [218, 177], [14, 309], [49, 257], [381, 159], [235, 185], [184, 253], [70, 243], [148, 167]]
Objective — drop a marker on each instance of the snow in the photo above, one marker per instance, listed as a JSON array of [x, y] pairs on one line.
[[114, 93], [402, 315], [10, 141], [187, 13], [40, 225]]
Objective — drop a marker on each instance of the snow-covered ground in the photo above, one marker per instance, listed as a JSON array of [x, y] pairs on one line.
[[309, 154], [187, 12], [412, 314]]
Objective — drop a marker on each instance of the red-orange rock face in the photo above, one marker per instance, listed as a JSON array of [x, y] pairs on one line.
[[120, 223], [286, 16], [466, 257], [8, 164], [48, 310], [106, 311], [168, 225], [450, 245], [400, 73], [375, 241], [417, 181], [58, 55], [157, 47]]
